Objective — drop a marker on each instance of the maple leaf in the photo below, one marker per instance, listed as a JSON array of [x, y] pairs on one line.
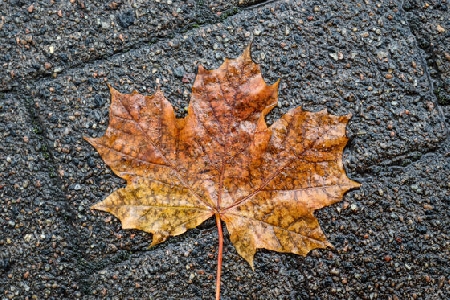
[[223, 160]]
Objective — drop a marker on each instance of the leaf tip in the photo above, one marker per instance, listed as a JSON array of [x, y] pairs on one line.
[[247, 51], [97, 206], [90, 140], [94, 142], [158, 239], [323, 111], [346, 117], [111, 88], [275, 85], [355, 184], [200, 69], [250, 262]]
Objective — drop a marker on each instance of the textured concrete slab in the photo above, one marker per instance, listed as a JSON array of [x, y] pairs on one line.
[[43, 38], [390, 237], [430, 23], [37, 253]]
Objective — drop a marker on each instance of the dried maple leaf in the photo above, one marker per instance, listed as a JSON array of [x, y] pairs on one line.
[[223, 160]]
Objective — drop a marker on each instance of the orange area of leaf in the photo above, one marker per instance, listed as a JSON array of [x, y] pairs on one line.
[[223, 160]]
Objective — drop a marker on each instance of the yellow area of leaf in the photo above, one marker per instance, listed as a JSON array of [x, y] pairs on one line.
[[222, 159], [169, 211]]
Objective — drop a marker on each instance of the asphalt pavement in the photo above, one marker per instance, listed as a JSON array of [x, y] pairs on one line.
[[386, 62]]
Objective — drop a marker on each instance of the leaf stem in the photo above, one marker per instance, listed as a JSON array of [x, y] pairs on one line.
[[219, 256]]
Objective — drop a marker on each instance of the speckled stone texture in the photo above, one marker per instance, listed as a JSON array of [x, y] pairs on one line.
[[390, 237], [430, 23], [45, 37]]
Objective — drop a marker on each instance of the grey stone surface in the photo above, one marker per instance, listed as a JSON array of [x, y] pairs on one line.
[[37, 239], [43, 38], [430, 23], [390, 237]]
